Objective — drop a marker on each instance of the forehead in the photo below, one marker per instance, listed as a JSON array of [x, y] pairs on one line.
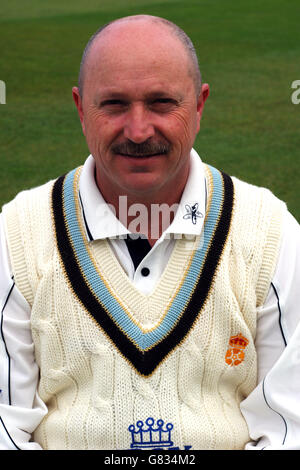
[[137, 52]]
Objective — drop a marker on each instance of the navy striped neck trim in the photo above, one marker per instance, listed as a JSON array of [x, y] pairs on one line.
[[144, 350]]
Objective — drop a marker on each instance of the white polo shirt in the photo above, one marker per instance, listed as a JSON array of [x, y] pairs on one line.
[[272, 410]]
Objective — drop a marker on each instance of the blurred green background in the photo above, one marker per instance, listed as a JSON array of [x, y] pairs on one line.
[[249, 52]]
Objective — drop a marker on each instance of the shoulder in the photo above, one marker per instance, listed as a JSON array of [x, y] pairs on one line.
[[29, 213], [27, 196], [250, 202], [244, 188], [257, 206]]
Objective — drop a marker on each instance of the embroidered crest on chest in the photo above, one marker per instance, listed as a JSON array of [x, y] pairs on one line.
[[236, 354]]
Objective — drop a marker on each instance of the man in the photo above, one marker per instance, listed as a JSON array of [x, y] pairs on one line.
[[185, 337]]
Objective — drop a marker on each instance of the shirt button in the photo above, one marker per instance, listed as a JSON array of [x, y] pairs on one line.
[[145, 272]]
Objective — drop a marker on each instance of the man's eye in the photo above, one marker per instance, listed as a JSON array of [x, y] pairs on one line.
[[163, 104], [113, 104]]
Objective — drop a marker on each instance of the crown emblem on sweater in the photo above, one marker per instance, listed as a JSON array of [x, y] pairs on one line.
[[150, 434], [235, 355], [192, 212]]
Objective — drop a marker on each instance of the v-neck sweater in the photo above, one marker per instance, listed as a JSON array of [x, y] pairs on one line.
[[111, 357]]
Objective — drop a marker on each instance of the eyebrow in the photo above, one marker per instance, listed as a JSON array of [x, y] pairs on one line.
[[118, 95]]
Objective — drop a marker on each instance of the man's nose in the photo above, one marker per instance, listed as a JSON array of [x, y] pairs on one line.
[[138, 126]]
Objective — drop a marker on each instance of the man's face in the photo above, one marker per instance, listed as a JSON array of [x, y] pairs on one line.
[[139, 112]]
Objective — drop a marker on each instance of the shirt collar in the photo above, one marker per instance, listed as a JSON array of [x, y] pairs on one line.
[[101, 221]]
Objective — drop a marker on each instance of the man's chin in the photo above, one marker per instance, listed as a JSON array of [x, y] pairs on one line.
[[142, 183]]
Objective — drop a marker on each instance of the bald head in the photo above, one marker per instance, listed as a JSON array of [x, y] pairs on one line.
[[166, 27]]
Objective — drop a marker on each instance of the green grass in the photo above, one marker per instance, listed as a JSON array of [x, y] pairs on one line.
[[249, 53]]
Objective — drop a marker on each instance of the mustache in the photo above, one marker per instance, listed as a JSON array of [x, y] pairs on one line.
[[144, 149]]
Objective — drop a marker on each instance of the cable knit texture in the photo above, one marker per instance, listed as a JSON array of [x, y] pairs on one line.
[[92, 392]]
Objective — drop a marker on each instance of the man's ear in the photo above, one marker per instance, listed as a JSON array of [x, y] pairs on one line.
[[201, 101], [78, 102]]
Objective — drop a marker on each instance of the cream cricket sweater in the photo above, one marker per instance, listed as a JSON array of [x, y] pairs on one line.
[[123, 370]]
